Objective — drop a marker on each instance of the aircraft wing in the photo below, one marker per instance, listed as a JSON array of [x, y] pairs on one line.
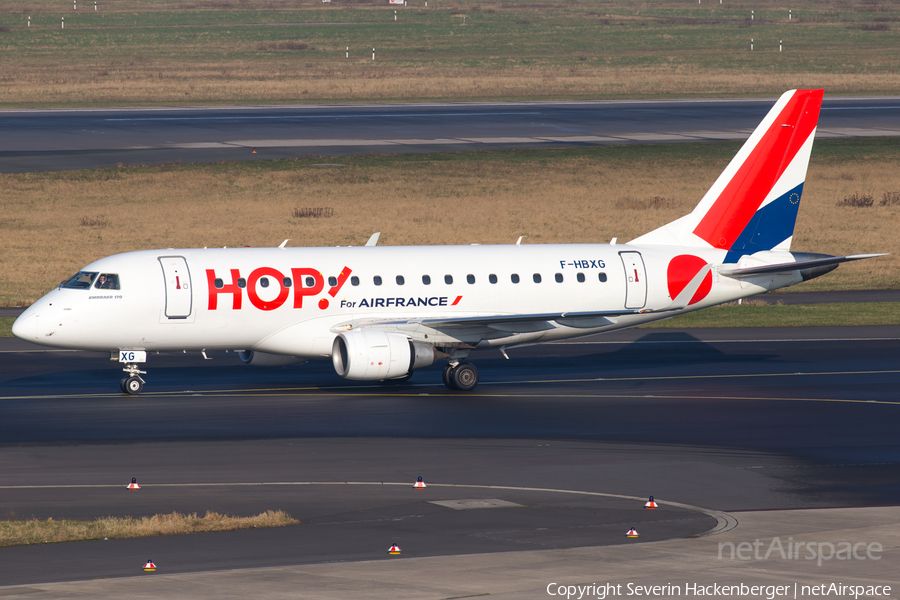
[[794, 266]]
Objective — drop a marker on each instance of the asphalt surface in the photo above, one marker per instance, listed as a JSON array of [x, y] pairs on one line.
[[721, 419], [52, 140]]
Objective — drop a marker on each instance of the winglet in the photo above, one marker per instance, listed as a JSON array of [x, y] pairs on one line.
[[374, 239]]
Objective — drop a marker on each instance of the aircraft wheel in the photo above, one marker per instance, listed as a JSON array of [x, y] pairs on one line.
[[133, 385], [465, 377], [122, 385], [447, 377]]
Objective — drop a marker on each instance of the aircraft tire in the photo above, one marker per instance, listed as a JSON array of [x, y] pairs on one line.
[[133, 385], [122, 385], [447, 376], [465, 377]]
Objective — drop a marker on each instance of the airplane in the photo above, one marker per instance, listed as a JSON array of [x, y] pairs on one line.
[[380, 312]]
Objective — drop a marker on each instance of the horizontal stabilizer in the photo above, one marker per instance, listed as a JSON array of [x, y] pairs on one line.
[[794, 266]]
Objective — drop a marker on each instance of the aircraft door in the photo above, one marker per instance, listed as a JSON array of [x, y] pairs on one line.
[[178, 286], [635, 279]]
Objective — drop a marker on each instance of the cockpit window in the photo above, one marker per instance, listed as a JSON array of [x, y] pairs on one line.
[[107, 281], [81, 280]]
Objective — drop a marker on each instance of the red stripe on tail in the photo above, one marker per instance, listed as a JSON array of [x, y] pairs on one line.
[[756, 177]]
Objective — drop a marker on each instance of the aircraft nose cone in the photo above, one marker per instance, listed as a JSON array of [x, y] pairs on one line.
[[25, 327]]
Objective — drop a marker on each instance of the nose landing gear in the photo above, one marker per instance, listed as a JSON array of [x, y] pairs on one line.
[[132, 383]]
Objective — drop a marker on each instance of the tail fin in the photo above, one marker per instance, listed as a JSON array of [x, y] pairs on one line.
[[753, 204]]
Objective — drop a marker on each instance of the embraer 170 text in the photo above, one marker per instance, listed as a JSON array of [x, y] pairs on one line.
[[380, 313]]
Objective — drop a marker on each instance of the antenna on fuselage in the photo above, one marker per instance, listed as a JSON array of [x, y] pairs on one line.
[[374, 239], [519, 241], [284, 243]]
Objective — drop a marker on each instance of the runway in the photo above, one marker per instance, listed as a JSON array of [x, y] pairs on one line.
[[52, 140], [724, 420]]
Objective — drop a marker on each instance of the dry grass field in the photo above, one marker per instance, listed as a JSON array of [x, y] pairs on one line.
[[275, 51], [54, 223], [36, 531], [795, 315]]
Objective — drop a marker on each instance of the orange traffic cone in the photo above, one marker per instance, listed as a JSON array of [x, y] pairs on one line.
[[632, 532], [395, 549], [420, 485], [149, 566], [651, 503], [134, 484]]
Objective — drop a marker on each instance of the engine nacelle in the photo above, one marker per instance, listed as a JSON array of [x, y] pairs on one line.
[[376, 355], [264, 359]]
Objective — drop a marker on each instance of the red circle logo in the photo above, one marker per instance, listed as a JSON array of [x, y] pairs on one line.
[[323, 303], [681, 270]]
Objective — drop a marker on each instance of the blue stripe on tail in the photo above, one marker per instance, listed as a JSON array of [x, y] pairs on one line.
[[770, 226]]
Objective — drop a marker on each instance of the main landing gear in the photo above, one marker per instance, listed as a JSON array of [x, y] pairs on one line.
[[132, 383], [460, 376]]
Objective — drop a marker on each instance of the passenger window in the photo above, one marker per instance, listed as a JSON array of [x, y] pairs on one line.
[[263, 282], [287, 282], [470, 278], [492, 278], [80, 281], [219, 283], [580, 277], [559, 278], [602, 277], [377, 280], [107, 281], [448, 279], [310, 282], [426, 279], [354, 281], [242, 283], [332, 281], [536, 277], [400, 280], [514, 278]]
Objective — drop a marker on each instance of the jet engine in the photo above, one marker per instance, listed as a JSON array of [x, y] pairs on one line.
[[378, 355], [264, 359]]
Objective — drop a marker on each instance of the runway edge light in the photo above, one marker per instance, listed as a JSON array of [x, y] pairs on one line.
[[149, 566], [632, 533], [134, 484], [395, 549], [419, 485], [651, 503]]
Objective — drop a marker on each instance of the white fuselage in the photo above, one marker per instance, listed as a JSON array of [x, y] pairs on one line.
[[170, 299]]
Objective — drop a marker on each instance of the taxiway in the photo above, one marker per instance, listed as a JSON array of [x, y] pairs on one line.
[[723, 420]]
